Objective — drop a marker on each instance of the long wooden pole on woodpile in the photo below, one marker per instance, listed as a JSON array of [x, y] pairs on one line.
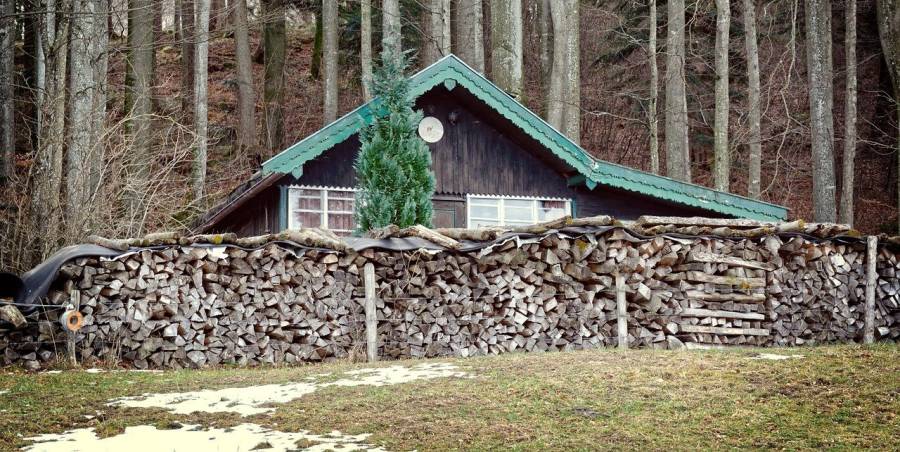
[[621, 312], [871, 258], [371, 317]]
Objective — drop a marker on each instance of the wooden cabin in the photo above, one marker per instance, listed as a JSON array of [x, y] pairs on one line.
[[495, 163]]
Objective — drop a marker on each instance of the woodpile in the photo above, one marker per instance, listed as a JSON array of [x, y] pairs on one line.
[[298, 296], [190, 307], [817, 293]]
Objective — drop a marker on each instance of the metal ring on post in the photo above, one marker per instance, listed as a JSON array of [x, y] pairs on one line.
[[71, 320]]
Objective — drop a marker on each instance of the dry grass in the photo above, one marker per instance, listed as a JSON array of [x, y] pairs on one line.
[[845, 397]]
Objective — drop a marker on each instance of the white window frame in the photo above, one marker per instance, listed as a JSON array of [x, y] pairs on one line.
[[501, 210], [323, 201]]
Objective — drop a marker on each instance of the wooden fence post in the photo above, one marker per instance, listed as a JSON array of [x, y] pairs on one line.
[[70, 348], [371, 316], [621, 312], [871, 276], [74, 303]]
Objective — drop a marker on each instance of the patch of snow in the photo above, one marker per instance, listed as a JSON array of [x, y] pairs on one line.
[[192, 438], [4, 391], [95, 370], [248, 401], [775, 356], [399, 374]]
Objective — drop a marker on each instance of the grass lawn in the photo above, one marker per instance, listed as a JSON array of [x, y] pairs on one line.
[[834, 397]]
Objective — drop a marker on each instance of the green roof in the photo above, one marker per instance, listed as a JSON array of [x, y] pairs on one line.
[[453, 72]]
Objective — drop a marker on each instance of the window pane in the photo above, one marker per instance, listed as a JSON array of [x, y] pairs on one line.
[[307, 220], [484, 212], [518, 213], [340, 221], [306, 192], [518, 203], [308, 203], [341, 194], [483, 201], [553, 204], [340, 205], [551, 210]]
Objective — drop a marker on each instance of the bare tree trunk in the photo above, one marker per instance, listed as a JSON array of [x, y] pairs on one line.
[[391, 30], [365, 50], [100, 57], [157, 7], [847, 180], [186, 38], [654, 93], [545, 30], [274, 43], [40, 70], [201, 57], [438, 44], [48, 161], [573, 72], [556, 93], [755, 144], [216, 8], [506, 43], [315, 64], [81, 133], [818, 38], [721, 150], [246, 96], [28, 25], [889, 32], [677, 153], [7, 91], [469, 36], [330, 55], [138, 106]]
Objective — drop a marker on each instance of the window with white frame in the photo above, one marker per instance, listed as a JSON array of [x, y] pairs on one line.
[[514, 211], [321, 207]]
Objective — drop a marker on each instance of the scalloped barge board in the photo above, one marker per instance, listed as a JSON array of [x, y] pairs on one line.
[[192, 438], [252, 400]]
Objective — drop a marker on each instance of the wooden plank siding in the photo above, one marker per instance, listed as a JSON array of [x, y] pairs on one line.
[[257, 217], [480, 153]]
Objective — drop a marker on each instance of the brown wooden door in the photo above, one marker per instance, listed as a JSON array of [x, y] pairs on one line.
[[449, 213]]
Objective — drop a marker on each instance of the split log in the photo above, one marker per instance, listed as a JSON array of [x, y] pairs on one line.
[[11, 314]]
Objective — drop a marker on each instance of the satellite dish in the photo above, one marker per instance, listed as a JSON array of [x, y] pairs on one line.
[[430, 129]]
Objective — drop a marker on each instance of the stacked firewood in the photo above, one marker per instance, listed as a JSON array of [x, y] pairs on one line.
[[180, 307], [887, 296], [542, 295], [818, 293], [210, 300], [716, 292]]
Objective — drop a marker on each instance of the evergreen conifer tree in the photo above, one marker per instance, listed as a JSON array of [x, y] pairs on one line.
[[393, 168]]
